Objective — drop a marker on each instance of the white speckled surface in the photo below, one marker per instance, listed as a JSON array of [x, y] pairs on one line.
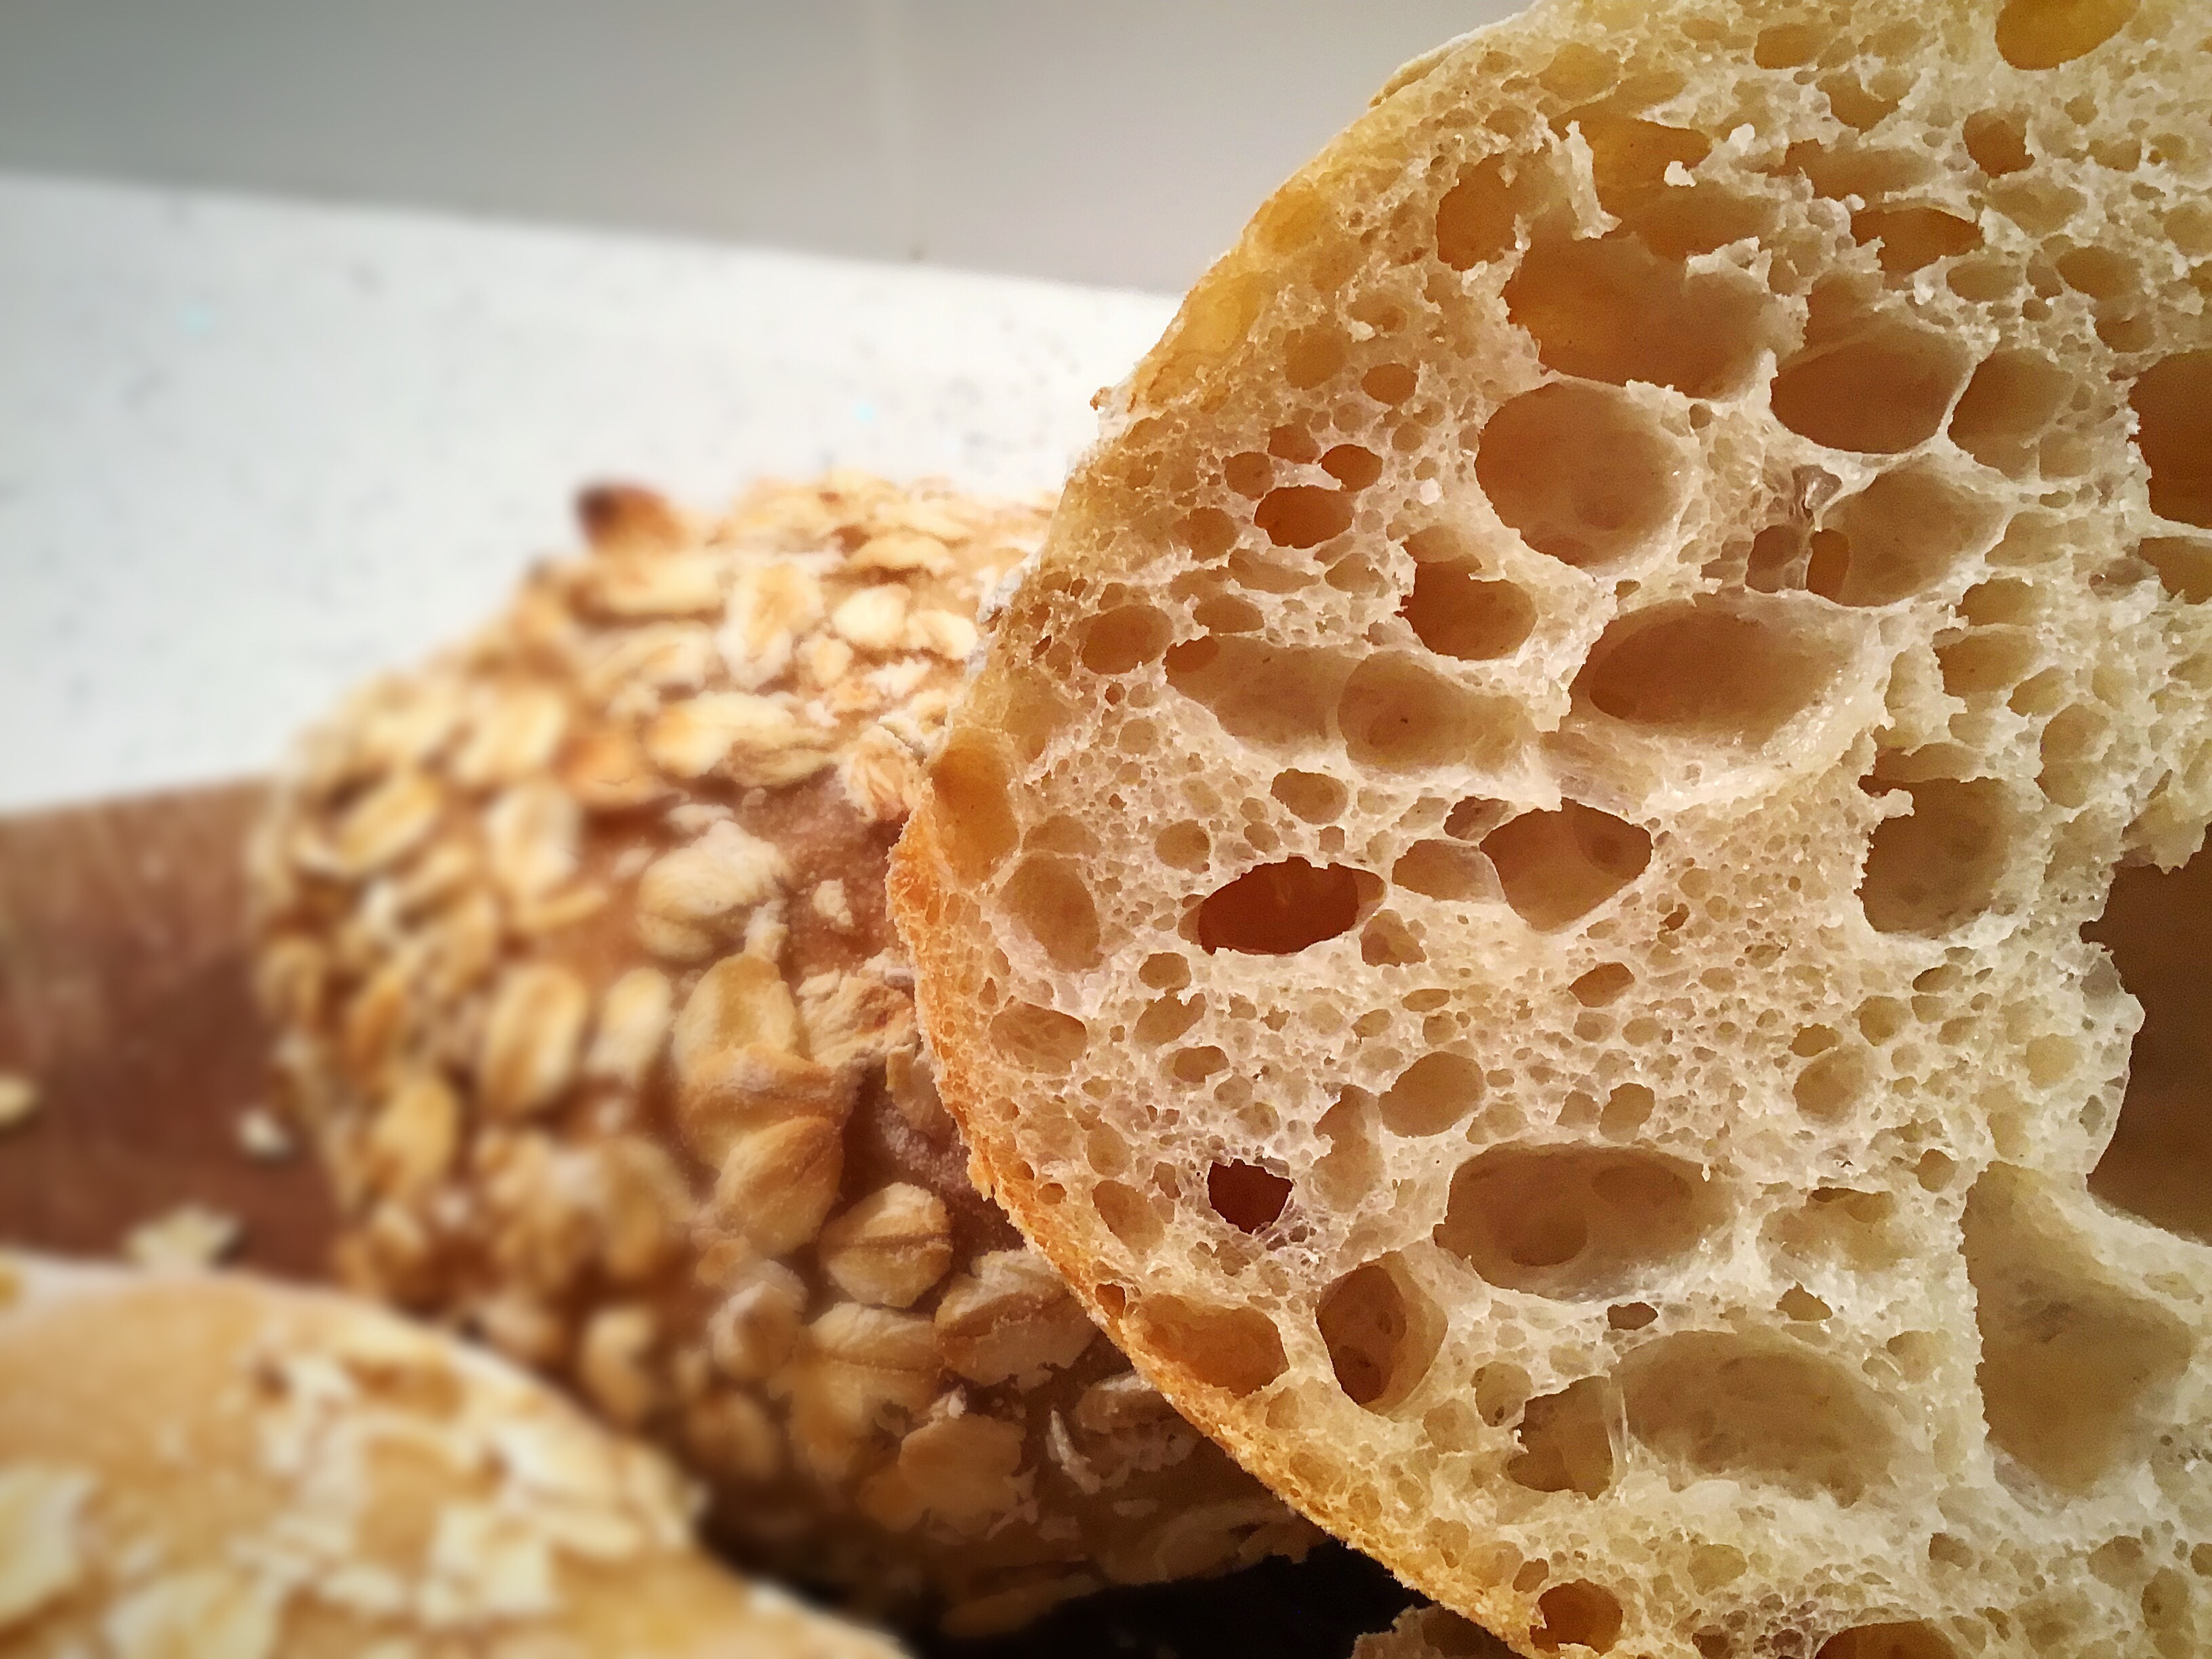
[[251, 452]]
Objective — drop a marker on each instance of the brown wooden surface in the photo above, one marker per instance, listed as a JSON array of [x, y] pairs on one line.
[[124, 995]]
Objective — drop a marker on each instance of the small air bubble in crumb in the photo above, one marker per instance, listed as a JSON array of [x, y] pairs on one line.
[[261, 1135], [190, 1235], [19, 1099], [832, 905]]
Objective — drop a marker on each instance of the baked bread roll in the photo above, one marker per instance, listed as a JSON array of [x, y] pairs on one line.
[[1508, 901], [576, 947], [218, 1467]]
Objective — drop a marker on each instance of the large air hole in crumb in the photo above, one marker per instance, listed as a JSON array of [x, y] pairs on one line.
[[1709, 669], [1476, 217], [1235, 1349], [1676, 221], [1574, 1221], [2173, 402], [1246, 1196], [1577, 1614], [1355, 467], [1183, 845], [2159, 1165], [1279, 909], [1848, 168], [1313, 796], [1353, 1165], [1903, 534], [1630, 158], [1884, 388], [1937, 869], [1128, 1215], [1856, 104], [1312, 358], [1445, 870], [1833, 1084], [2074, 1367], [1627, 1108], [1606, 309], [1475, 817], [1042, 1039], [1388, 942], [1047, 897], [1276, 695], [1912, 237], [1114, 641], [1997, 140], [2002, 414], [1557, 867], [1382, 1332], [1435, 1093], [1168, 1018], [1304, 515], [1895, 1641], [1457, 613], [1399, 716], [1581, 471], [973, 822], [1758, 1408], [2073, 741], [1603, 984], [1565, 1445], [2040, 34]]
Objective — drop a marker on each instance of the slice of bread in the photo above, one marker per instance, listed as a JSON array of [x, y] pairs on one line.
[[575, 943], [220, 1467], [1508, 901]]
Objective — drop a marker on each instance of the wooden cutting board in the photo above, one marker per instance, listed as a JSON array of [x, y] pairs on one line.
[[124, 996]]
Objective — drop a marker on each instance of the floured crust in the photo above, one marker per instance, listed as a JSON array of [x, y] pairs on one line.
[[576, 945], [216, 1466], [1525, 897]]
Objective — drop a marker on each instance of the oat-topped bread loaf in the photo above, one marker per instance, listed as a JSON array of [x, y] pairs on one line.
[[1509, 900], [201, 1466], [576, 945]]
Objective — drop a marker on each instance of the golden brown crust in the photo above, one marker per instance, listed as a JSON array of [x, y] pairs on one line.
[[577, 945], [1507, 900], [216, 1465]]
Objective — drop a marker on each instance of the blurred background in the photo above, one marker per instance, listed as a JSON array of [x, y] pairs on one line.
[[1120, 143], [313, 314]]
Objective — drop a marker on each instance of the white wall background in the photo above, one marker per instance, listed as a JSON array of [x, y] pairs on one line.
[[1118, 141]]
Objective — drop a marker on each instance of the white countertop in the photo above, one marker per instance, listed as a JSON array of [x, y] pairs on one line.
[[251, 452]]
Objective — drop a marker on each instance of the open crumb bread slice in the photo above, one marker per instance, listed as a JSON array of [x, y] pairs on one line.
[[1544, 891], [221, 1467]]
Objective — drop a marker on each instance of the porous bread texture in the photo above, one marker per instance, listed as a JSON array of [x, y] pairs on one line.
[[575, 944], [221, 1467], [1509, 899]]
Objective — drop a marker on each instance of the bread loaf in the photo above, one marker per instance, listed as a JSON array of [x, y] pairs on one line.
[[575, 942], [222, 1469], [1543, 893]]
